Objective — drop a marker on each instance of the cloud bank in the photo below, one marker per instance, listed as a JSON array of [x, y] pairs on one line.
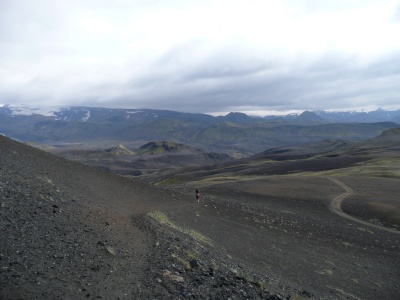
[[201, 56]]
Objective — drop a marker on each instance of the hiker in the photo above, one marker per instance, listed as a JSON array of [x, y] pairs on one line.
[[197, 195]]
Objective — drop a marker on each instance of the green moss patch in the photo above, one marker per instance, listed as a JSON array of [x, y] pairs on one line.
[[163, 219]]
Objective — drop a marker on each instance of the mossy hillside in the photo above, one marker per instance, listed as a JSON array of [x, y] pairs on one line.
[[168, 181], [374, 168], [163, 219]]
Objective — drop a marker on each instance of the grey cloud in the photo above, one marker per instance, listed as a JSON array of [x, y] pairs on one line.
[[227, 69], [194, 61], [193, 75], [396, 16], [326, 82], [331, 81]]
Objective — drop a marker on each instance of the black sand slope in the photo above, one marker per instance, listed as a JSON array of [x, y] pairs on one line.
[[286, 227], [73, 232]]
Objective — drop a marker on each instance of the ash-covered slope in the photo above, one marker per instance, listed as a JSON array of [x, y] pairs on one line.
[[63, 234], [72, 232]]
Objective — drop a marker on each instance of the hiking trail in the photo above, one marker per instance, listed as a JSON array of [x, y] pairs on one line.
[[336, 207]]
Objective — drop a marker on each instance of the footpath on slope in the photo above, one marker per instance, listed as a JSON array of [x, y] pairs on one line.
[[336, 207], [73, 232]]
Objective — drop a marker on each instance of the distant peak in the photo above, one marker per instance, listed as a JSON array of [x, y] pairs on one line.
[[309, 116], [237, 114], [238, 117], [308, 113], [120, 150]]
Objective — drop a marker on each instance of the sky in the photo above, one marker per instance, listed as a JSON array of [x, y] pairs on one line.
[[253, 56]]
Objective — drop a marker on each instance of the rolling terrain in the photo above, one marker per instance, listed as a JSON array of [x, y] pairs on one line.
[[324, 216], [153, 157], [319, 220], [236, 134]]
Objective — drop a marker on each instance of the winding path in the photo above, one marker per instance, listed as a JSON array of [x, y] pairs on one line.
[[336, 207]]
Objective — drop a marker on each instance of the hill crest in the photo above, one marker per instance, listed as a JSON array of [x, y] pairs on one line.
[[120, 150], [161, 147], [308, 117]]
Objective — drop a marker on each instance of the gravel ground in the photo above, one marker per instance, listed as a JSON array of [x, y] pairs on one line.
[[283, 227], [73, 232], [69, 231]]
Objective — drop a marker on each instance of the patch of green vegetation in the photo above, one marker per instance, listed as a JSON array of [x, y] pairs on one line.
[[183, 259], [365, 229], [243, 275], [220, 178], [168, 181], [375, 168], [262, 285], [191, 255], [266, 285], [163, 219], [185, 263], [347, 244]]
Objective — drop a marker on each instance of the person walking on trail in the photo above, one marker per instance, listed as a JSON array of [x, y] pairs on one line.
[[197, 195]]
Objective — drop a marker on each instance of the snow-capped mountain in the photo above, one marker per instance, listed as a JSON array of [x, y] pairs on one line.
[[236, 131], [94, 114], [378, 115]]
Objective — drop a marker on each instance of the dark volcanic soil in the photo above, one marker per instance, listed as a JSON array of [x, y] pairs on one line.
[[69, 231], [283, 227], [73, 232], [376, 201]]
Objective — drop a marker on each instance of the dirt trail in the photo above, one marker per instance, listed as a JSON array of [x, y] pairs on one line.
[[336, 207]]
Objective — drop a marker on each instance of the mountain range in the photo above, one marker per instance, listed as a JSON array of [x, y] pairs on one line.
[[93, 114], [236, 134]]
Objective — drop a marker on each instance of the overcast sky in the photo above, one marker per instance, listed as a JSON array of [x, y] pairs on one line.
[[204, 56]]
